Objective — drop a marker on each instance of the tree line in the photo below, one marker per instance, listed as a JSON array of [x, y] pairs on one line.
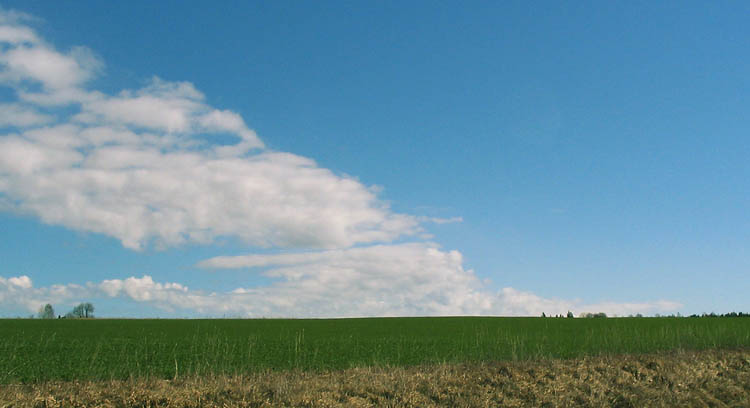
[[604, 315], [730, 314], [82, 311]]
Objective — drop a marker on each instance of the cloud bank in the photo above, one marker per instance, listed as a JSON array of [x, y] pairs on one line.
[[415, 279]]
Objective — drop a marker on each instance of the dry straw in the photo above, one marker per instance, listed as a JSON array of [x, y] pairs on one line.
[[686, 379]]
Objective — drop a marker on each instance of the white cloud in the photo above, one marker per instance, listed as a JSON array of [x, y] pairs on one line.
[[397, 280], [175, 107], [438, 220], [136, 195], [17, 35], [13, 17], [52, 69], [20, 281], [19, 291], [416, 279], [142, 289], [37, 72], [17, 115], [26, 61], [515, 302], [140, 165]]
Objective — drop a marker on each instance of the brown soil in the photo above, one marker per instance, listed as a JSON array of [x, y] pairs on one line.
[[685, 379]]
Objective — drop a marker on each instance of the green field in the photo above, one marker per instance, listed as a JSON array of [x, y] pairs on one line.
[[44, 350]]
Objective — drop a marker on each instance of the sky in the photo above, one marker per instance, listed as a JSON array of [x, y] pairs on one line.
[[342, 159]]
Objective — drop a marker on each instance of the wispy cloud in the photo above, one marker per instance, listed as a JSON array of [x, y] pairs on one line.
[[438, 220]]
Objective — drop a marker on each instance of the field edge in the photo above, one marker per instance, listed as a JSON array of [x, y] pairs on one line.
[[676, 378]]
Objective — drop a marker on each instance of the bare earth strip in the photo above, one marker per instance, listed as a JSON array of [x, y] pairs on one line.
[[687, 379]]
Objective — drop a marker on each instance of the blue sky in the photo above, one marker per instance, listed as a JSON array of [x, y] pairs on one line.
[[354, 159]]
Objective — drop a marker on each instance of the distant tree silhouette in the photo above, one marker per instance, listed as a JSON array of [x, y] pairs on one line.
[[83, 310], [88, 310], [600, 315], [46, 312], [77, 311]]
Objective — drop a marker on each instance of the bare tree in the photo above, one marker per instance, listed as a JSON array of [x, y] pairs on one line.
[[77, 311], [83, 310], [88, 310]]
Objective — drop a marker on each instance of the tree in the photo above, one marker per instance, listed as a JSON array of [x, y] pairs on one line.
[[88, 310], [600, 315], [570, 315], [83, 310], [77, 311], [46, 312]]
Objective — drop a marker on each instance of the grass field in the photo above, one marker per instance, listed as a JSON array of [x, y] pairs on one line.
[[35, 351]]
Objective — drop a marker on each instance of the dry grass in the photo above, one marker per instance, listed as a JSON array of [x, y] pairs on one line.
[[690, 379]]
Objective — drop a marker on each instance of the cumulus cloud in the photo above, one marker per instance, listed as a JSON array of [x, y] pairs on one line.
[[35, 69], [23, 282], [142, 289], [397, 280], [143, 166], [20, 291], [415, 279], [18, 115], [48, 67]]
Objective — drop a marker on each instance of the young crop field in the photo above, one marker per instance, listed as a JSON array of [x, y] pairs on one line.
[[38, 351]]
